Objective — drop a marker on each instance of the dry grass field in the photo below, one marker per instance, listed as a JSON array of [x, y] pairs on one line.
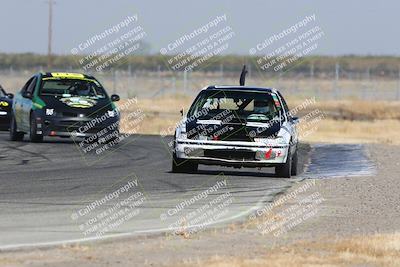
[[376, 250]]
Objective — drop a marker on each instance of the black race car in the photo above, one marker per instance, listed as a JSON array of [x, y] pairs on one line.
[[64, 105], [5, 109]]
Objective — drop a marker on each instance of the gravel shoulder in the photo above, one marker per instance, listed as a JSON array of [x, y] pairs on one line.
[[352, 206]]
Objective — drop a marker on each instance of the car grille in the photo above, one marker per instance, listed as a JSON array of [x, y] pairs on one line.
[[69, 114], [237, 137], [230, 154]]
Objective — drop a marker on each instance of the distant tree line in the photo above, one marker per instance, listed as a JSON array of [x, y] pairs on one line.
[[385, 66]]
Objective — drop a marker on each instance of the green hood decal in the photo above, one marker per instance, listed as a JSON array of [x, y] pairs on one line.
[[78, 102]]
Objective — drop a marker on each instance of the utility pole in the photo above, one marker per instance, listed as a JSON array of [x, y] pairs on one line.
[[50, 33]]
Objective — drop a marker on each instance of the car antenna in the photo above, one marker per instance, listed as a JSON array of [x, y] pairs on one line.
[[243, 76]]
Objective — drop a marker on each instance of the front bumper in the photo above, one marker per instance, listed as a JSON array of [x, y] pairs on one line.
[[5, 119], [74, 126], [231, 153]]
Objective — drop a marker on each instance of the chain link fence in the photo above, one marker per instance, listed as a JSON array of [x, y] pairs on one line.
[[340, 84]]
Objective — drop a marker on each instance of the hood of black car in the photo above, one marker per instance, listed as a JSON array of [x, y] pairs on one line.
[[82, 105]]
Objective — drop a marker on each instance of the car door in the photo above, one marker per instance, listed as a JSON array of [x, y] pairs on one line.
[[291, 122], [26, 105], [18, 104]]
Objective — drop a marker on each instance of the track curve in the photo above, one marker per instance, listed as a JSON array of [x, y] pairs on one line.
[[47, 189], [43, 185]]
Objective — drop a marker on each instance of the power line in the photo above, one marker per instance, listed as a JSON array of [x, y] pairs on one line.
[[50, 35]]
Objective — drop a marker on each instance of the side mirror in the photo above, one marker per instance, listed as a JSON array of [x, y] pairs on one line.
[[295, 120], [27, 95], [115, 98], [181, 111], [10, 96]]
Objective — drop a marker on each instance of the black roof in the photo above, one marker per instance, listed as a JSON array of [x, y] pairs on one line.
[[244, 88]]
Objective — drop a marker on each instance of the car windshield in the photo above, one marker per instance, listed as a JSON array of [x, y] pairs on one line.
[[72, 87], [246, 105]]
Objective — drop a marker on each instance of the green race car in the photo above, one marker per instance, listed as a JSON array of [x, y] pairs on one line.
[[64, 105]]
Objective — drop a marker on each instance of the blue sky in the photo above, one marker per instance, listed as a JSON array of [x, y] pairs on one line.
[[351, 27]]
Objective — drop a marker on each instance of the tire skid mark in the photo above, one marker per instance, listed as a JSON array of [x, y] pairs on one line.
[[19, 148], [339, 160]]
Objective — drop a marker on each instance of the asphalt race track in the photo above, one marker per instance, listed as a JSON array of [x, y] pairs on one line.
[[45, 189]]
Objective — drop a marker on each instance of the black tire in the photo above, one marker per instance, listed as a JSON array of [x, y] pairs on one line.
[[183, 166], [14, 134], [33, 136], [284, 170], [294, 163]]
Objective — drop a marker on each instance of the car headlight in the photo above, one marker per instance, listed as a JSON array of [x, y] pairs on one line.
[[181, 131], [279, 140], [203, 137], [4, 103]]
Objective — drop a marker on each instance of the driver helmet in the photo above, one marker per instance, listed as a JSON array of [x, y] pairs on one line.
[[81, 89], [261, 106]]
